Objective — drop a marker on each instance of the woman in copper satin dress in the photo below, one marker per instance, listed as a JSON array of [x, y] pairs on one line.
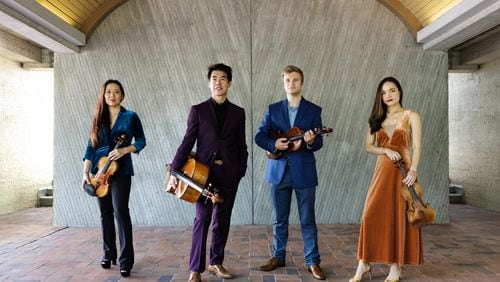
[[385, 235]]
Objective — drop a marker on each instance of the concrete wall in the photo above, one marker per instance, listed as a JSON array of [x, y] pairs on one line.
[[160, 51], [474, 134], [26, 131]]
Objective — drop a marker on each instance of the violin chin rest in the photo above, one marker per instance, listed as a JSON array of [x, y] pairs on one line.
[[89, 189]]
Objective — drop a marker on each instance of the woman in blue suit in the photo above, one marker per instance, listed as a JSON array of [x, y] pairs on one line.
[[110, 121], [293, 171]]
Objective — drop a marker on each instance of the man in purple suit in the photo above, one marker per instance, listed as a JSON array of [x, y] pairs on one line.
[[217, 126]]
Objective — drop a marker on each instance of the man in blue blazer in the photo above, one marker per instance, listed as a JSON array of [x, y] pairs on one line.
[[294, 170], [217, 126]]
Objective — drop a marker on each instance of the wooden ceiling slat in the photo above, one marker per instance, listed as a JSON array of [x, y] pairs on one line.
[[90, 4], [410, 4], [85, 6], [61, 6], [57, 11], [425, 8], [75, 8], [431, 12], [421, 5]]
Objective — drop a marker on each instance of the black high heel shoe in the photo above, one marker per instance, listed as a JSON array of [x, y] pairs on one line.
[[106, 263], [125, 272]]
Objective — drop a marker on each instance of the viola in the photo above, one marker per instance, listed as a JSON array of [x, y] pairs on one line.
[[106, 168], [418, 213], [295, 136], [193, 182]]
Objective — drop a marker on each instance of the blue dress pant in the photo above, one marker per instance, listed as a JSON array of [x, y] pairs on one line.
[[115, 206], [281, 197]]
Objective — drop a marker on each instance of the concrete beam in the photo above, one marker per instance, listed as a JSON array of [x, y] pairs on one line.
[[455, 63], [18, 50], [461, 23], [46, 63], [482, 51], [40, 15], [26, 28]]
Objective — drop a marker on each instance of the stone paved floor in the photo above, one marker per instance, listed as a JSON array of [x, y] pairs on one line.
[[31, 249]]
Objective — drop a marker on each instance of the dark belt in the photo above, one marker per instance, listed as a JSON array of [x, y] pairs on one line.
[[218, 162]]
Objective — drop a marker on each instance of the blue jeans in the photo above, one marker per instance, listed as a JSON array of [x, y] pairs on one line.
[[281, 197]]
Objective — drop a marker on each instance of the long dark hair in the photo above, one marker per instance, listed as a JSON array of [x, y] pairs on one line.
[[101, 112], [379, 111]]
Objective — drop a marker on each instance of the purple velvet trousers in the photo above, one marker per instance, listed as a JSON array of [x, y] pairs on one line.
[[219, 216]]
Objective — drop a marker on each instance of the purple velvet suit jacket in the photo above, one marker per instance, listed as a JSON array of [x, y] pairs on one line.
[[227, 144]]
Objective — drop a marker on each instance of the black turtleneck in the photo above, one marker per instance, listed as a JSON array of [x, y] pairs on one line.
[[220, 112]]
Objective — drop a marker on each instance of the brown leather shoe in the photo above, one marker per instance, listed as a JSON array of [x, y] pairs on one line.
[[317, 272], [272, 264], [220, 271], [195, 277]]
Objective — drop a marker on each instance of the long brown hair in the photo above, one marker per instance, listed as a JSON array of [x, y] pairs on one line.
[[379, 111], [101, 112]]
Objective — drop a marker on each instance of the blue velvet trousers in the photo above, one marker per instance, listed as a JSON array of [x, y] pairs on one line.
[[115, 206]]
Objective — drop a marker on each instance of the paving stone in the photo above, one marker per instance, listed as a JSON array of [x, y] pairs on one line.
[[31, 249]]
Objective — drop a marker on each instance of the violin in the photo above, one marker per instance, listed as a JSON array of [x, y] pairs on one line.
[[192, 182], [106, 167], [418, 213], [295, 136]]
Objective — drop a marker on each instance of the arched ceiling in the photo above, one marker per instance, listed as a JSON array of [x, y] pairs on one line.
[[416, 14], [454, 26], [84, 15]]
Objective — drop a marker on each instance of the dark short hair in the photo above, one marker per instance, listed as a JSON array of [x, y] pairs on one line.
[[221, 67]]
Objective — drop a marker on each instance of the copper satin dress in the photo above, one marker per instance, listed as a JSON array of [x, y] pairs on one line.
[[385, 235]]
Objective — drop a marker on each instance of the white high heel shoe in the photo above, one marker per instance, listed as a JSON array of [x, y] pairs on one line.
[[369, 271]]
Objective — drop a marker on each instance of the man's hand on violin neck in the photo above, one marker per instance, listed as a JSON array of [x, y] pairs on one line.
[[309, 137]]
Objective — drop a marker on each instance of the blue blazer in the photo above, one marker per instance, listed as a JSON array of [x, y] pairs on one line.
[[128, 123], [302, 163]]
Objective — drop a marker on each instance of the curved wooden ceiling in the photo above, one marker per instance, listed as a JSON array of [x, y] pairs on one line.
[[416, 14], [468, 30], [86, 15]]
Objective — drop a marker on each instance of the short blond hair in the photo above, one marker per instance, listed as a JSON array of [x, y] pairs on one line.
[[289, 69]]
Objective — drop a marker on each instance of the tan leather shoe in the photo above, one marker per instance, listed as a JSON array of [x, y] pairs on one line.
[[272, 264], [220, 271], [317, 272], [195, 277]]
